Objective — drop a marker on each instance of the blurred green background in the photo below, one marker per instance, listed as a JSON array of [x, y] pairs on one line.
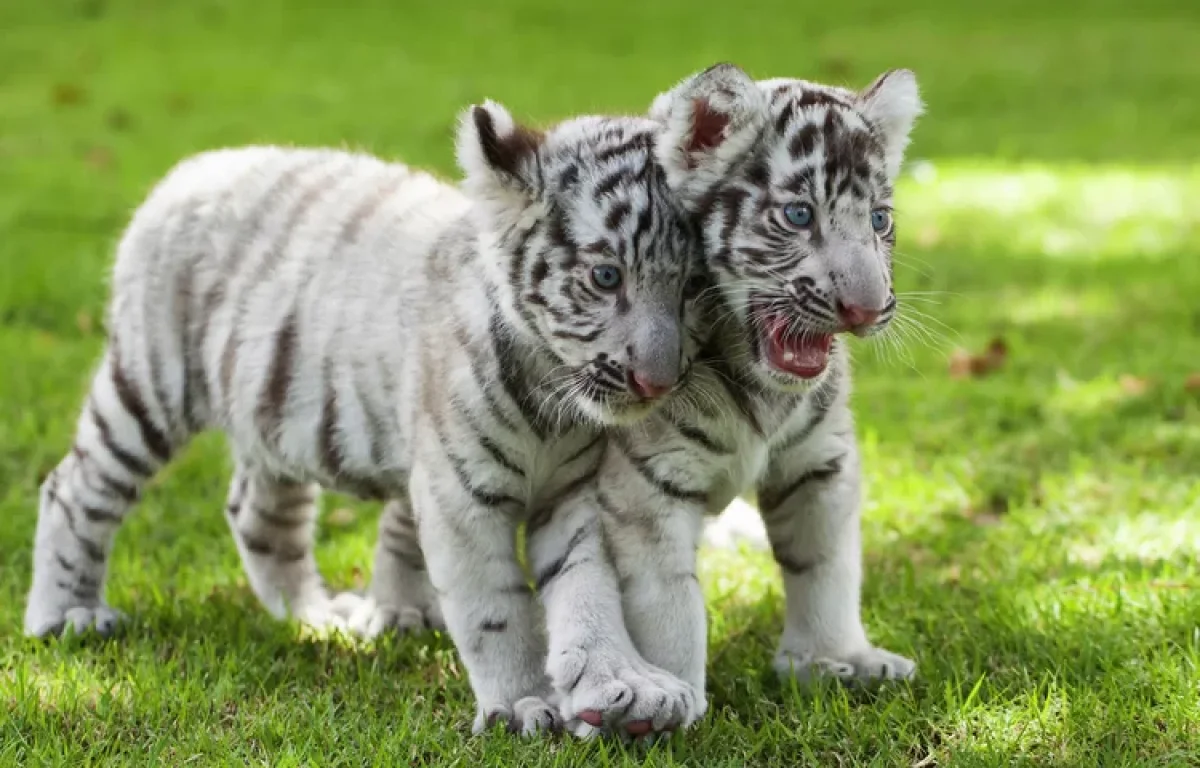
[[1031, 533]]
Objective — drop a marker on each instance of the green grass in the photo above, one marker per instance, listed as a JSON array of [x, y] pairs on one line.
[[1031, 536]]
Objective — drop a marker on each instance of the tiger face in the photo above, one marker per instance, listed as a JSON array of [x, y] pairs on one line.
[[798, 231], [596, 256]]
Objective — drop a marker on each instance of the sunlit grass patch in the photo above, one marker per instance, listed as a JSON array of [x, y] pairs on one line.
[[1063, 211]]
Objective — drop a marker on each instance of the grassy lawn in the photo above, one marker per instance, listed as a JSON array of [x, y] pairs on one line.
[[1032, 535]]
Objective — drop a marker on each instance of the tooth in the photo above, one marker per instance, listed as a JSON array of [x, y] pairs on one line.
[[789, 357]]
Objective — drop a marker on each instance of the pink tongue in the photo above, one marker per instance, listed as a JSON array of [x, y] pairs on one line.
[[801, 355]]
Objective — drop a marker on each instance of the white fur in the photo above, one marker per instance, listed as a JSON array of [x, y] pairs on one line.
[[354, 324], [740, 425]]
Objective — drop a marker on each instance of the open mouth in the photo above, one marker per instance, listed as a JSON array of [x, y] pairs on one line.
[[802, 354]]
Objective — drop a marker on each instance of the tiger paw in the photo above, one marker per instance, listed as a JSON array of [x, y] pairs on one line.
[[528, 716], [867, 666], [603, 690], [77, 619], [369, 618]]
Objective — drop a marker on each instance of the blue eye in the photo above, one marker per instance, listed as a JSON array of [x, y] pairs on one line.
[[607, 277], [798, 214], [881, 221]]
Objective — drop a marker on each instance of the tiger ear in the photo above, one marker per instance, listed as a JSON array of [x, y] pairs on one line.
[[709, 121], [498, 157], [892, 105]]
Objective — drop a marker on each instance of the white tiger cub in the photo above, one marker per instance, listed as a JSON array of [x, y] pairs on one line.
[[797, 234], [353, 324]]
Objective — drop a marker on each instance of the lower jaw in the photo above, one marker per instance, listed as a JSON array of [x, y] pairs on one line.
[[799, 375]]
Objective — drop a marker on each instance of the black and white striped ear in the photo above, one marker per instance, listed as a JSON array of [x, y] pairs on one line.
[[498, 157], [709, 121], [892, 105]]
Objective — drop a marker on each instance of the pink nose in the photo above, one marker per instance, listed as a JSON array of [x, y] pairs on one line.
[[647, 389], [855, 316]]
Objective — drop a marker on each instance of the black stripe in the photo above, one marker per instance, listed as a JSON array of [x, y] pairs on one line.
[[645, 223], [274, 395], [90, 548], [666, 487], [591, 444], [804, 143], [193, 375], [483, 380], [112, 486], [99, 516], [820, 401], [291, 555], [731, 199], [494, 450], [492, 625], [702, 439], [611, 182], [256, 545], [152, 436], [575, 485], [586, 338], [635, 142], [616, 215], [560, 565], [482, 496], [735, 385], [784, 117], [770, 499], [279, 519], [509, 369], [331, 454], [64, 563], [85, 594], [132, 464], [414, 560]]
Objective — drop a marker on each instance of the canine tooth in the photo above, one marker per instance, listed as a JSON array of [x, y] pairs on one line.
[[789, 357]]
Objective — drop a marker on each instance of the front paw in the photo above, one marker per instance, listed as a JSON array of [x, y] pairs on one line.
[[603, 688], [528, 716], [867, 666], [79, 619], [369, 618]]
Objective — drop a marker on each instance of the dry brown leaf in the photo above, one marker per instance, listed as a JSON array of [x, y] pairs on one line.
[[960, 364], [178, 103], [119, 120], [836, 66], [341, 517], [963, 364], [1192, 383], [66, 94], [100, 158], [1133, 385]]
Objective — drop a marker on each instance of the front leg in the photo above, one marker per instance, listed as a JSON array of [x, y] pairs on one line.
[[652, 507], [592, 661], [811, 509], [468, 538]]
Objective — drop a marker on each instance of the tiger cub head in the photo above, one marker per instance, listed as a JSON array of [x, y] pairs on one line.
[[589, 252], [797, 222]]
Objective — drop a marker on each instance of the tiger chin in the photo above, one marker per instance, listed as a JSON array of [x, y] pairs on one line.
[[458, 350]]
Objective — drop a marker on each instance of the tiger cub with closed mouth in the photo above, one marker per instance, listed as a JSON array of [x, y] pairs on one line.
[[354, 324]]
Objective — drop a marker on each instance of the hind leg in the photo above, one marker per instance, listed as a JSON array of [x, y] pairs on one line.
[[273, 521], [120, 442], [401, 596]]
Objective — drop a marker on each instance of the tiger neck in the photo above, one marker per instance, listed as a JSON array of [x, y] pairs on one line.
[[524, 364]]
